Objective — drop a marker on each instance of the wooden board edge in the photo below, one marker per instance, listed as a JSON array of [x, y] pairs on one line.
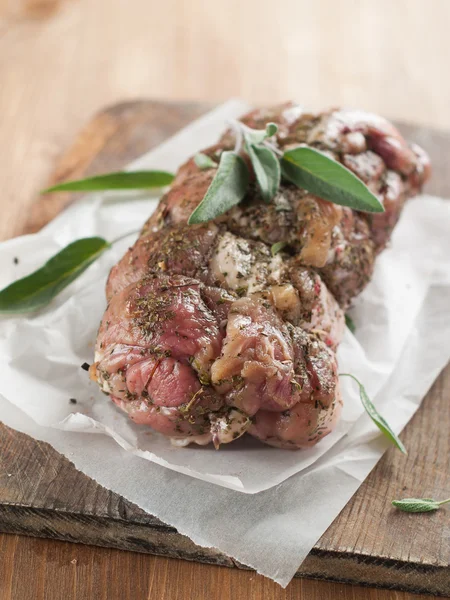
[[106, 532], [382, 573], [165, 541]]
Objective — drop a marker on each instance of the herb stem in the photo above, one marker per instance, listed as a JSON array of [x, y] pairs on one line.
[[125, 235], [272, 147], [443, 502], [237, 128], [350, 375]]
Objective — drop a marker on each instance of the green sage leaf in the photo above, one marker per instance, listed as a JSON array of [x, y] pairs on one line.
[[267, 170], [123, 180], [277, 247], [271, 129], [350, 323], [314, 171], [257, 136], [38, 289], [203, 161], [416, 505], [379, 421], [227, 189]]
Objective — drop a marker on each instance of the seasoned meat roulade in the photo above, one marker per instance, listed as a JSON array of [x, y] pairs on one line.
[[209, 334]]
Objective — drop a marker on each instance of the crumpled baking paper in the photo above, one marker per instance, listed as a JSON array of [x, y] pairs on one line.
[[265, 507]]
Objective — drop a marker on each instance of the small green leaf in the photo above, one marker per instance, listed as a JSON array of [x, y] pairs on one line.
[[39, 288], [123, 180], [227, 189], [203, 161], [350, 324], [267, 170], [257, 136], [277, 247], [379, 421], [271, 129], [416, 505], [314, 171]]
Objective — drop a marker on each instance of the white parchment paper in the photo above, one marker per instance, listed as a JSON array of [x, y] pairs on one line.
[[402, 343]]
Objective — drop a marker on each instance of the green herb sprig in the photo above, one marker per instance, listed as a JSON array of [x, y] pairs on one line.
[[323, 176], [418, 505], [264, 160], [122, 180], [38, 289], [305, 167], [379, 421], [277, 247], [350, 323], [226, 190]]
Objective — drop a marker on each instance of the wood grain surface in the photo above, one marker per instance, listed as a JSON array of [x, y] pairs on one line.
[[32, 569], [63, 60], [42, 494]]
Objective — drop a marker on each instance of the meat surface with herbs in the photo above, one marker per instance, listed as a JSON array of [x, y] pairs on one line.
[[209, 334]]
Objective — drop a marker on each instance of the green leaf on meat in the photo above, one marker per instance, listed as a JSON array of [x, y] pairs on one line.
[[203, 161], [227, 189], [257, 136], [267, 170], [277, 247], [315, 172]]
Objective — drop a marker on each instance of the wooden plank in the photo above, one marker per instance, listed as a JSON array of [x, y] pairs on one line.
[[368, 542], [56, 570]]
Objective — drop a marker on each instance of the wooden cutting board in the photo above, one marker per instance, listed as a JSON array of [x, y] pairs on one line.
[[369, 542]]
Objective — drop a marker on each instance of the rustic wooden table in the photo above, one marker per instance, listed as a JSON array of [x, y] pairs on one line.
[[61, 60], [32, 569]]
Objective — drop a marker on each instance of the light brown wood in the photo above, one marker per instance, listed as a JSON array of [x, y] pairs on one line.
[[47, 570], [55, 72], [110, 140], [369, 542]]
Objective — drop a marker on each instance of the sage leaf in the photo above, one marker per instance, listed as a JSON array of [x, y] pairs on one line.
[[38, 289], [320, 175], [416, 505], [123, 180], [227, 189], [277, 247], [379, 421], [267, 170], [350, 323], [257, 136], [271, 129], [203, 161]]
